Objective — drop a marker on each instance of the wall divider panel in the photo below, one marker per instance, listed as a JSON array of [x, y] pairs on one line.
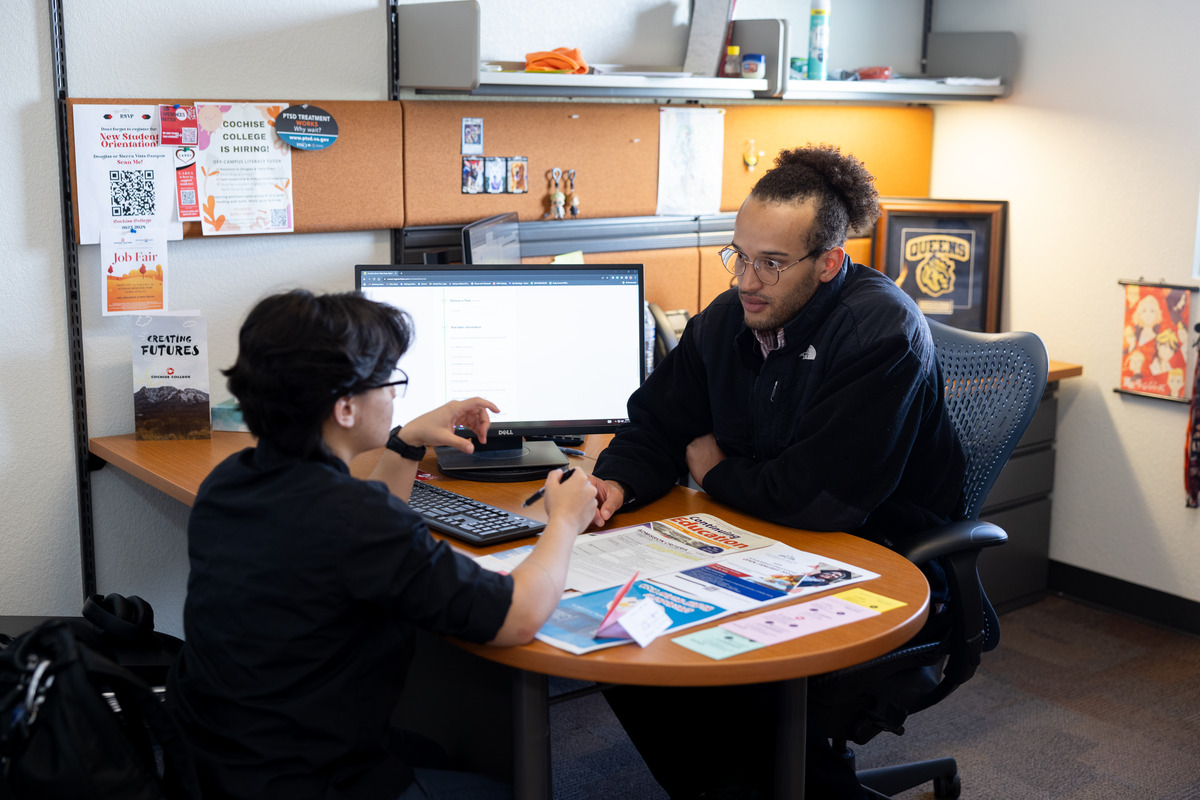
[[672, 276]]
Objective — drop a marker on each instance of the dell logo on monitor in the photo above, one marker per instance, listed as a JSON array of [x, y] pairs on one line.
[[505, 432]]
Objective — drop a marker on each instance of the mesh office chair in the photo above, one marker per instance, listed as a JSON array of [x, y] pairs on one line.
[[994, 383]]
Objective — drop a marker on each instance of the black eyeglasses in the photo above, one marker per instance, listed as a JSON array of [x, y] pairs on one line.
[[768, 269], [398, 378]]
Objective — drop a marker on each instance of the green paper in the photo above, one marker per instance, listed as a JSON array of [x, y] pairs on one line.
[[716, 643]]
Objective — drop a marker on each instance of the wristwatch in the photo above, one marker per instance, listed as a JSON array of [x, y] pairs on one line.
[[403, 448]]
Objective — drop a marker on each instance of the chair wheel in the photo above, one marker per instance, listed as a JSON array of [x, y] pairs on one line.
[[947, 788]]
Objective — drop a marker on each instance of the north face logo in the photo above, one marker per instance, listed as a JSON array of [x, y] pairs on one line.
[[809, 355]]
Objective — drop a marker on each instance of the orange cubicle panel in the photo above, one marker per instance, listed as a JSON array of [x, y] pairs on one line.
[[895, 143], [859, 250], [671, 276], [714, 279]]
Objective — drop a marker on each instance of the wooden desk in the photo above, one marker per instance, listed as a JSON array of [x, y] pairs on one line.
[[178, 467], [1063, 369]]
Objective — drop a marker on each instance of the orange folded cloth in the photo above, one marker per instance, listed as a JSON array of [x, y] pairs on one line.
[[560, 59]]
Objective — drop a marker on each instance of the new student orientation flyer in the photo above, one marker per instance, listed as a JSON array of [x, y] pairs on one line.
[[123, 178]]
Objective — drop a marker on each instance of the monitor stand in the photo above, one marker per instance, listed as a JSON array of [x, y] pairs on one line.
[[503, 458]]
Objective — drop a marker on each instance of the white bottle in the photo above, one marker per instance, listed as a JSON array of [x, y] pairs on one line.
[[818, 40]]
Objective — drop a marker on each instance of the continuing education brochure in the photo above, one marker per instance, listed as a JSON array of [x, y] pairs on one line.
[[747, 580], [697, 567], [607, 558]]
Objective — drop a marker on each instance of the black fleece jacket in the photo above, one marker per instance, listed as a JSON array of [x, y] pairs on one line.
[[842, 429]]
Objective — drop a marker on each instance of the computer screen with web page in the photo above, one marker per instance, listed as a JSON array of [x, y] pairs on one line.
[[558, 347]]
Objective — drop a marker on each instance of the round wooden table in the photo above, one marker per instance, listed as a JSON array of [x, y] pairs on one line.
[[178, 467]]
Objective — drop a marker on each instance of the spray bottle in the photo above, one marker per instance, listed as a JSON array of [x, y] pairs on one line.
[[818, 40]]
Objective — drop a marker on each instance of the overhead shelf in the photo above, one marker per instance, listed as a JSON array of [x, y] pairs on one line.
[[527, 84], [615, 85], [437, 52], [893, 91]]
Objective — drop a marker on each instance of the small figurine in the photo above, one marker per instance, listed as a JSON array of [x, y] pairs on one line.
[[557, 198], [574, 197], [750, 155]]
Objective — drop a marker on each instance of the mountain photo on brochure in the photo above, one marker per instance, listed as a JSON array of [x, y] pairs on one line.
[[170, 377]]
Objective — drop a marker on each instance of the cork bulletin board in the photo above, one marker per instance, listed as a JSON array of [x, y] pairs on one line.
[[613, 149], [354, 185]]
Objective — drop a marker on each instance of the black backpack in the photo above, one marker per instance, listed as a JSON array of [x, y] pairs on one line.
[[61, 738]]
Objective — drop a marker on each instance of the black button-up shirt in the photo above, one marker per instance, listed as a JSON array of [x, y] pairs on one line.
[[305, 590]]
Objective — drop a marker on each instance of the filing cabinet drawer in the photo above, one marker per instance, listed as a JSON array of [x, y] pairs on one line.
[[1042, 426], [1015, 573], [1027, 474]]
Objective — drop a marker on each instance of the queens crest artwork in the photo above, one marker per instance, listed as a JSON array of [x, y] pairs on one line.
[[947, 255]]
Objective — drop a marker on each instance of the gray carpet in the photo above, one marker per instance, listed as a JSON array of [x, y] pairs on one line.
[[592, 756], [1075, 704]]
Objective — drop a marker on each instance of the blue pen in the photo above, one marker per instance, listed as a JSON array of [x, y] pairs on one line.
[[571, 451]]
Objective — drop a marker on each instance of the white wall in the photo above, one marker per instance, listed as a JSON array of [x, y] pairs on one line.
[[39, 539], [1098, 157], [1097, 164]]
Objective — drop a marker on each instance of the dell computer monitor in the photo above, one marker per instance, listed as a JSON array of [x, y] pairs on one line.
[[558, 347], [494, 240]]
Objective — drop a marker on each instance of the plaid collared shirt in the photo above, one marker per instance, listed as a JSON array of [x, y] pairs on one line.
[[769, 340]]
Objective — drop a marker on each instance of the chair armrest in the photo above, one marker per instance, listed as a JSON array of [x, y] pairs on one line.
[[954, 537], [974, 626]]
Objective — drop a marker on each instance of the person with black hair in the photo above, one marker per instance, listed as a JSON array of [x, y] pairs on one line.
[[808, 394], [307, 584]]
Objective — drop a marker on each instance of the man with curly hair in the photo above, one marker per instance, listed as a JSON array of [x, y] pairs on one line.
[[809, 394]]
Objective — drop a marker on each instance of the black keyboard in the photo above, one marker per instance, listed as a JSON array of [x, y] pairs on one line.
[[472, 521]]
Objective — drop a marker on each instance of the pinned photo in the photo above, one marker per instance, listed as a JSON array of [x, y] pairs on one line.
[[472, 175], [472, 136], [495, 175], [518, 174]]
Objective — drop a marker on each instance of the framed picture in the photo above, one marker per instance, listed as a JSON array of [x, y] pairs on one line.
[[947, 255]]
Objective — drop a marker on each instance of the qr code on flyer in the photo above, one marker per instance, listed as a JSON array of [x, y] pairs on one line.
[[279, 218], [131, 192]]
